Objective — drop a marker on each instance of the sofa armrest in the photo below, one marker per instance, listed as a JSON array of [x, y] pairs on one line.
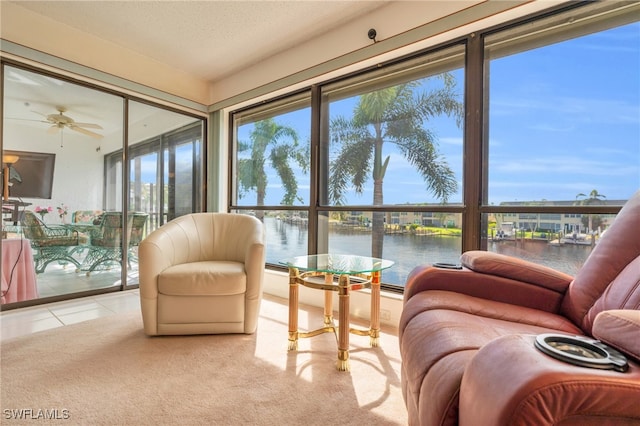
[[620, 329], [486, 262], [535, 287], [509, 382]]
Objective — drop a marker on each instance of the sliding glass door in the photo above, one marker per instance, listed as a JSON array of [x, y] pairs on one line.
[[165, 173], [80, 192]]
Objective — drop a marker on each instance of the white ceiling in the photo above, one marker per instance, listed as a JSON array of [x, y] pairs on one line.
[[203, 38], [29, 97]]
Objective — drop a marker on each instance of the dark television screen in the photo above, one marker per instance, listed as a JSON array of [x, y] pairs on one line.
[[35, 171]]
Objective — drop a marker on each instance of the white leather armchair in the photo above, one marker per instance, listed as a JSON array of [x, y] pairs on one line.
[[202, 273]]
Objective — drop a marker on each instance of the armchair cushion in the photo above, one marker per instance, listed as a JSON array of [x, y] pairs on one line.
[[207, 278], [440, 334]]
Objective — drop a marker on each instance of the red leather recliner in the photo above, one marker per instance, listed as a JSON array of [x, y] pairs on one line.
[[467, 337]]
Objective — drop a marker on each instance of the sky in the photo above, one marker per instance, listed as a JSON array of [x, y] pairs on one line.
[[564, 120]]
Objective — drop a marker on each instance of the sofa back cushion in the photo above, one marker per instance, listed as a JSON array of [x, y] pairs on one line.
[[610, 277]]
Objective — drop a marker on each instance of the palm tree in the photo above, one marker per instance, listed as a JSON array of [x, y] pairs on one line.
[[280, 143], [594, 198], [396, 115]]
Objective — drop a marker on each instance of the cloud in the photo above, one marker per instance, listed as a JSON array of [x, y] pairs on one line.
[[563, 165], [452, 140], [570, 108]]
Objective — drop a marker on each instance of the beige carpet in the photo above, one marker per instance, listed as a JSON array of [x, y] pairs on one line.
[[106, 371]]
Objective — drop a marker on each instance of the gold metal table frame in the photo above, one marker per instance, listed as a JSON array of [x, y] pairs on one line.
[[354, 273]]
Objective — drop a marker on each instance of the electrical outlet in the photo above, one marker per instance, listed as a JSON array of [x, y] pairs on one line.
[[385, 314]]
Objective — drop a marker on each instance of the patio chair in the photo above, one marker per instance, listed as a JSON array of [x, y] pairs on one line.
[[84, 220], [49, 243], [138, 222], [105, 247]]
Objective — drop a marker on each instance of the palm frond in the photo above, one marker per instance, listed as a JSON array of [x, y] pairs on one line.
[[279, 160], [353, 162]]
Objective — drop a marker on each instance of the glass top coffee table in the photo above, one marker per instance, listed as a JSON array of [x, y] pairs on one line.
[[354, 273]]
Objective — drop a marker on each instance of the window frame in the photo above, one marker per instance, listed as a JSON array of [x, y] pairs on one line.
[[475, 207]]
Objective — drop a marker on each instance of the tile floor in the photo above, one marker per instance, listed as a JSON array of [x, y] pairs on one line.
[[19, 322], [58, 280]]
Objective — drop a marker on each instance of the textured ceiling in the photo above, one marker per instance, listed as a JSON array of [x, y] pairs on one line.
[[203, 38]]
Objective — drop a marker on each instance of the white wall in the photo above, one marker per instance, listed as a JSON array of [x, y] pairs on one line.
[[26, 28], [78, 170]]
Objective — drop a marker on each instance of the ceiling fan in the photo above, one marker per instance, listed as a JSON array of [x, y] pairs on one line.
[[60, 121]]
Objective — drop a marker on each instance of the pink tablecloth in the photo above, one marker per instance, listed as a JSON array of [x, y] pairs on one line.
[[22, 285]]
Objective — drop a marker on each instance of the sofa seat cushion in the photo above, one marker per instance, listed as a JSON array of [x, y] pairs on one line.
[[207, 278], [456, 327]]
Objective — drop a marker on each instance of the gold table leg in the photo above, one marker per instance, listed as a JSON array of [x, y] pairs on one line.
[[374, 333], [328, 301], [343, 329], [293, 309]]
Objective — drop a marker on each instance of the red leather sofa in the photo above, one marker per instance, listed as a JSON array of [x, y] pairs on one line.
[[467, 337]]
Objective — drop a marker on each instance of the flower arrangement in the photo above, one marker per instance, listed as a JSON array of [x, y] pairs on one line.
[[63, 211], [42, 211]]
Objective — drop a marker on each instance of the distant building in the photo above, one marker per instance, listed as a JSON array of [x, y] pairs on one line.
[[551, 222], [567, 223]]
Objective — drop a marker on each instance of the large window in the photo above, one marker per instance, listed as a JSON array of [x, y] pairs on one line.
[[391, 145], [521, 140], [563, 111], [390, 149], [562, 131], [271, 172]]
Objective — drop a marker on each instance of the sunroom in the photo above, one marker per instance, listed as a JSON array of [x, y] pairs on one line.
[[509, 115]]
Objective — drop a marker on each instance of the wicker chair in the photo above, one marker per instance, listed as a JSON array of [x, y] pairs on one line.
[[49, 243], [105, 247], [84, 220]]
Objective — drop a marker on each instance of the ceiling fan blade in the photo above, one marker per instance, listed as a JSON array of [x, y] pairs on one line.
[[39, 113], [53, 130], [85, 132], [88, 125], [26, 119]]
